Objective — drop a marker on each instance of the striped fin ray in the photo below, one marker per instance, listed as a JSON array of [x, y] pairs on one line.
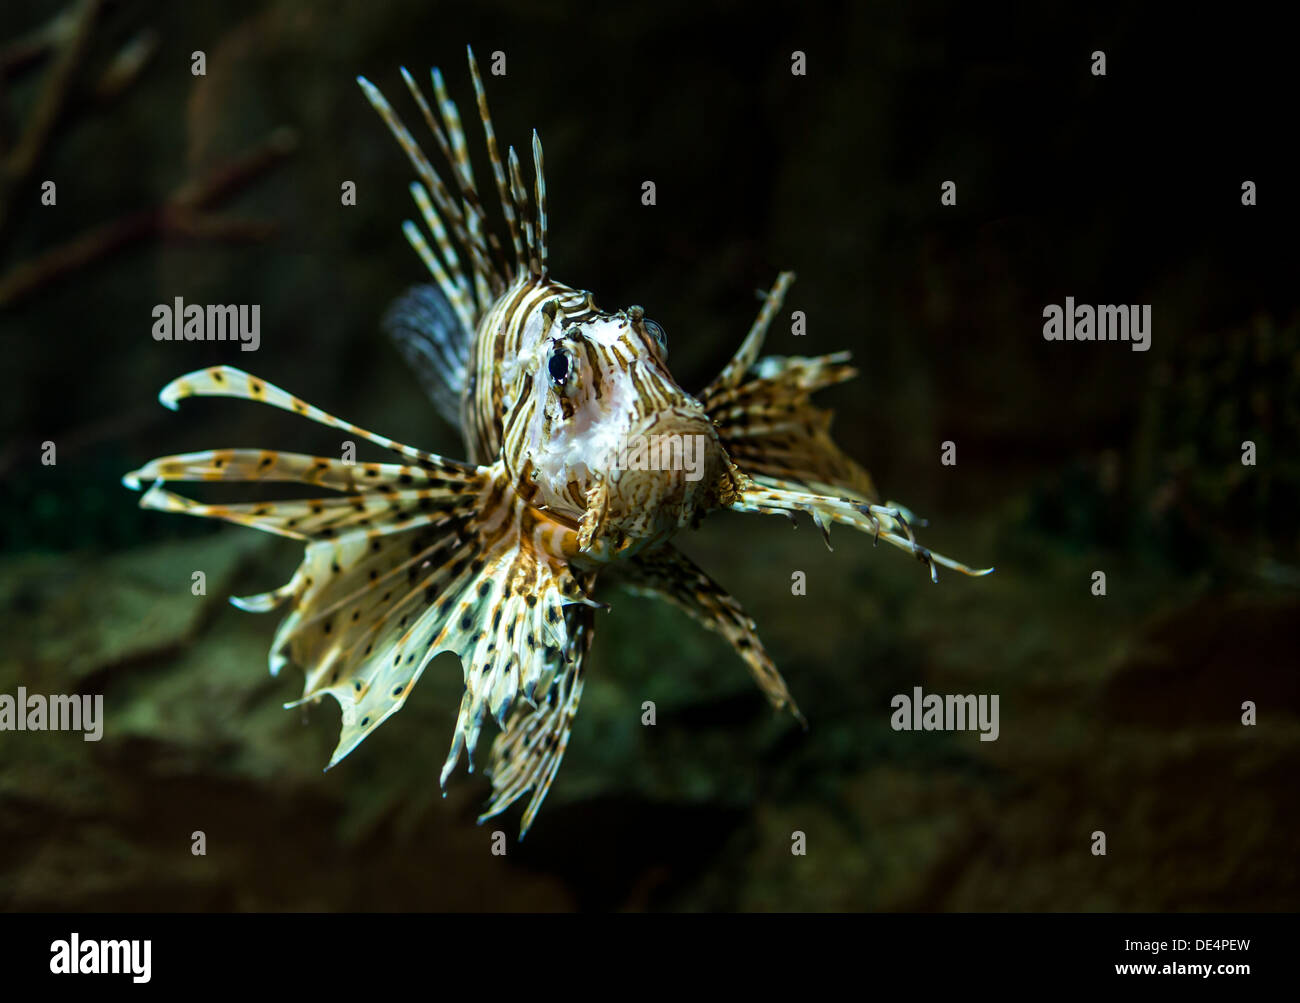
[[481, 286], [451, 279], [372, 612], [527, 754], [469, 187], [733, 373], [455, 151], [781, 447], [451, 115], [769, 426], [520, 194], [310, 518], [268, 465], [464, 179], [446, 205], [539, 191], [344, 592], [227, 381], [469, 584], [666, 573], [465, 224], [498, 168], [767, 496], [470, 237], [407, 563]]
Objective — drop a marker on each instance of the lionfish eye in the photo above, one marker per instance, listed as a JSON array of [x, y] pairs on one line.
[[660, 336], [558, 366]]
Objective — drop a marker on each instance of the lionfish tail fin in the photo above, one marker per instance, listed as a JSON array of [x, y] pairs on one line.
[[666, 573]]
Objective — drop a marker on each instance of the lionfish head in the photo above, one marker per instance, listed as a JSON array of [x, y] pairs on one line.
[[603, 430]]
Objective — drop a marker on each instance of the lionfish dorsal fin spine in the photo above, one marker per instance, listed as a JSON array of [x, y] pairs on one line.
[[483, 289], [451, 115], [451, 142], [463, 305], [460, 222], [520, 194], [465, 224], [498, 168], [426, 171], [540, 193], [445, 246], [439, 136]]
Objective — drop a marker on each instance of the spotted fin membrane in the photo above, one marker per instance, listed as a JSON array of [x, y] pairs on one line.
[[406, 559], [412, 559]]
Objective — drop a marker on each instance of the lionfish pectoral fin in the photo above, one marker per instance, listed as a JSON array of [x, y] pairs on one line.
[[666, 573], [435, 342], [405, 561], [375, 498], [766, 421], [228, 381], [911, 517], [527, 753], [468, 582], [733, 373], [771, 496], [516, 635], [781, 446]]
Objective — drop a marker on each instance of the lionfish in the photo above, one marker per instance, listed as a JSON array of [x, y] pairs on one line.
[[497, 558]]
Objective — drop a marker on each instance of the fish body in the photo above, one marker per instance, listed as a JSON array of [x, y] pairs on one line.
[[497, 557]]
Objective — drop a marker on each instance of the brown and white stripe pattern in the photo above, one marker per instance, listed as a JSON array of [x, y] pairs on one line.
[[497, 558]]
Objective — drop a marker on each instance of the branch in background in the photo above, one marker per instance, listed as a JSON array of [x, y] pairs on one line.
[[181, 215], [30, 149]]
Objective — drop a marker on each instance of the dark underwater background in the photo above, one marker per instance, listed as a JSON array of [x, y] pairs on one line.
[[1120, 714]]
